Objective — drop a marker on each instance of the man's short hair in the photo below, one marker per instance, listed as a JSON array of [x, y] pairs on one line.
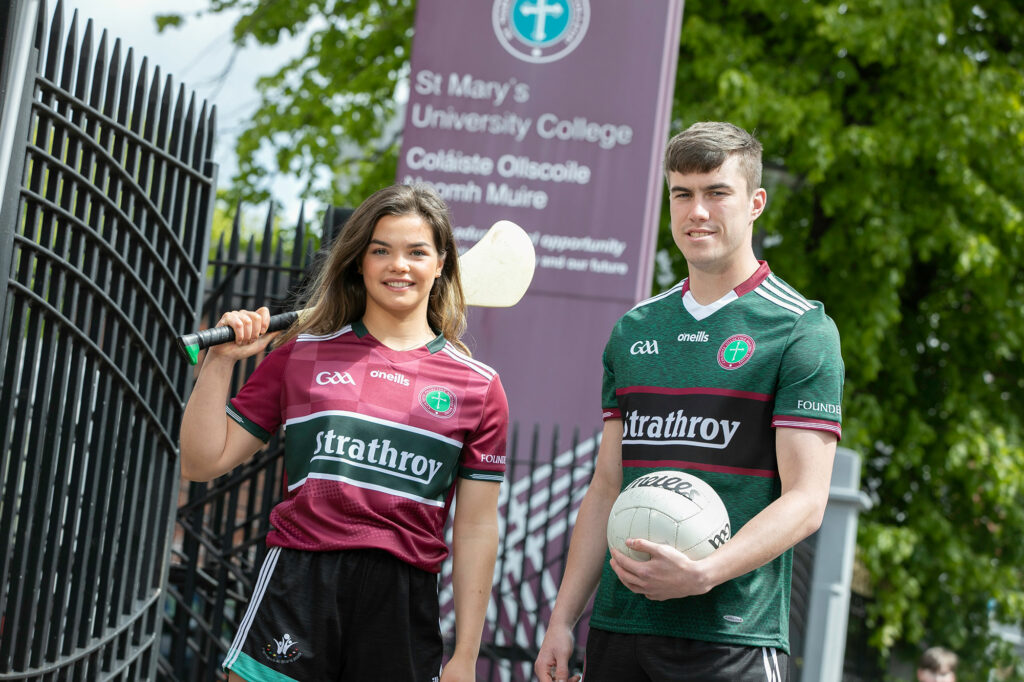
[[937, 657], [705, 146]]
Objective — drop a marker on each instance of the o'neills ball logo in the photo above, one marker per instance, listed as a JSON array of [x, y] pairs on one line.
[[735, 352], [675, 484], [540, 31], [438, 401]]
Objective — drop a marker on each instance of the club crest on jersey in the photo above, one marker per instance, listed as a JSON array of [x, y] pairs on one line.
[[438, 401], [735, 351], [540, 31], [284, 650]]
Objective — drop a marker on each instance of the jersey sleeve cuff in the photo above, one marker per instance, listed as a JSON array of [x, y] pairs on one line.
[[247, 424], [788, 422], [481, 474], [611, 413]]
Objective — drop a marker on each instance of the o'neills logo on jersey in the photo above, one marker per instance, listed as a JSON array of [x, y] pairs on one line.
[[736, 351], [390, 376], [696, 337], [438, 401], [380, 455], [334, 378], [678, 428]]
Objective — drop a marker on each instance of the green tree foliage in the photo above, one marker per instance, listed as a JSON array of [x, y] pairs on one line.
[[894, 138], [327, 117]]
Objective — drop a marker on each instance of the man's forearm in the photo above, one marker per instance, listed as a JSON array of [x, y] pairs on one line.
[[587, 551]]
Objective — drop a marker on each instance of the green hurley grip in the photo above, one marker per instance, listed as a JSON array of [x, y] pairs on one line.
[[189, 345]]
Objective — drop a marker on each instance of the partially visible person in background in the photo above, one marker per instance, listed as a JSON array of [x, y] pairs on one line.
[[937, 664]]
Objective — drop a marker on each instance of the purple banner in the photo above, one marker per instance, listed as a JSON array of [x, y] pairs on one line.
[[552, 114]]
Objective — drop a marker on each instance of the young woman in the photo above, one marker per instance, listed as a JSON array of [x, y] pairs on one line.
[[387, 419]]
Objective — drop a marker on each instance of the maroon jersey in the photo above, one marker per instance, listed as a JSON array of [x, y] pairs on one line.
[[374, 439]]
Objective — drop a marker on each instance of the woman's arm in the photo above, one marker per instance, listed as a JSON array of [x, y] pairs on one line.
[[212, 444], [474, 551]]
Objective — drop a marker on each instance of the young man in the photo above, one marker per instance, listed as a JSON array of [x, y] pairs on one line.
[[937, 664], [731, 376]]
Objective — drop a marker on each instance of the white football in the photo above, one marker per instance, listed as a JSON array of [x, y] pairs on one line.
[[672, 508]]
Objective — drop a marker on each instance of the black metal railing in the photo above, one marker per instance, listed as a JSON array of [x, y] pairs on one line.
[[106, 241]]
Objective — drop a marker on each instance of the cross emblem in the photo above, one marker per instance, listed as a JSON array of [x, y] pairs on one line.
[[541, 10]]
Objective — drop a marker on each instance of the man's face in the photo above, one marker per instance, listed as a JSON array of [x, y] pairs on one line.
[[943, 675], [712, 216]]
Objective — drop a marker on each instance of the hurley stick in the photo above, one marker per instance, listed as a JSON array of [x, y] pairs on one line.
[[496, 272]]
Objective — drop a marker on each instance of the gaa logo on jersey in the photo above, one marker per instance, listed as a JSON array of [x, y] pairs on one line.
[[334, 378], [438, 401], [540, 31], [735, 352]]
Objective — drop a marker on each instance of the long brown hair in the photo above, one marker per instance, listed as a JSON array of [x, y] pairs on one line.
[[337, 295]]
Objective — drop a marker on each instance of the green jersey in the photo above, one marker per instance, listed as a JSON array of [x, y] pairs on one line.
[[701, 388]]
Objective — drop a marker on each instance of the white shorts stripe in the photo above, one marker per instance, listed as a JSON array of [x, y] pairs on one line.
[[266, 571], [771, 664]]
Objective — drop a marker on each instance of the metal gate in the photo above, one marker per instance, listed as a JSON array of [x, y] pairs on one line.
[[104, 231]]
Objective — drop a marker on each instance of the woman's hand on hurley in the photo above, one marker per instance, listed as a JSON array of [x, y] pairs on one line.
[[250, 327]]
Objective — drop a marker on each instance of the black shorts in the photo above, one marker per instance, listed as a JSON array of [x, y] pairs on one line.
[[349, 615], [617, 657]]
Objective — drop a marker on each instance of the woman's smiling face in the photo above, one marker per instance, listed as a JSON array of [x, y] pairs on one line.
[[400, 265]]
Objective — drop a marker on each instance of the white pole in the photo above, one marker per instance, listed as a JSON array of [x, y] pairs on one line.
[[21, 31], [829, 609]]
